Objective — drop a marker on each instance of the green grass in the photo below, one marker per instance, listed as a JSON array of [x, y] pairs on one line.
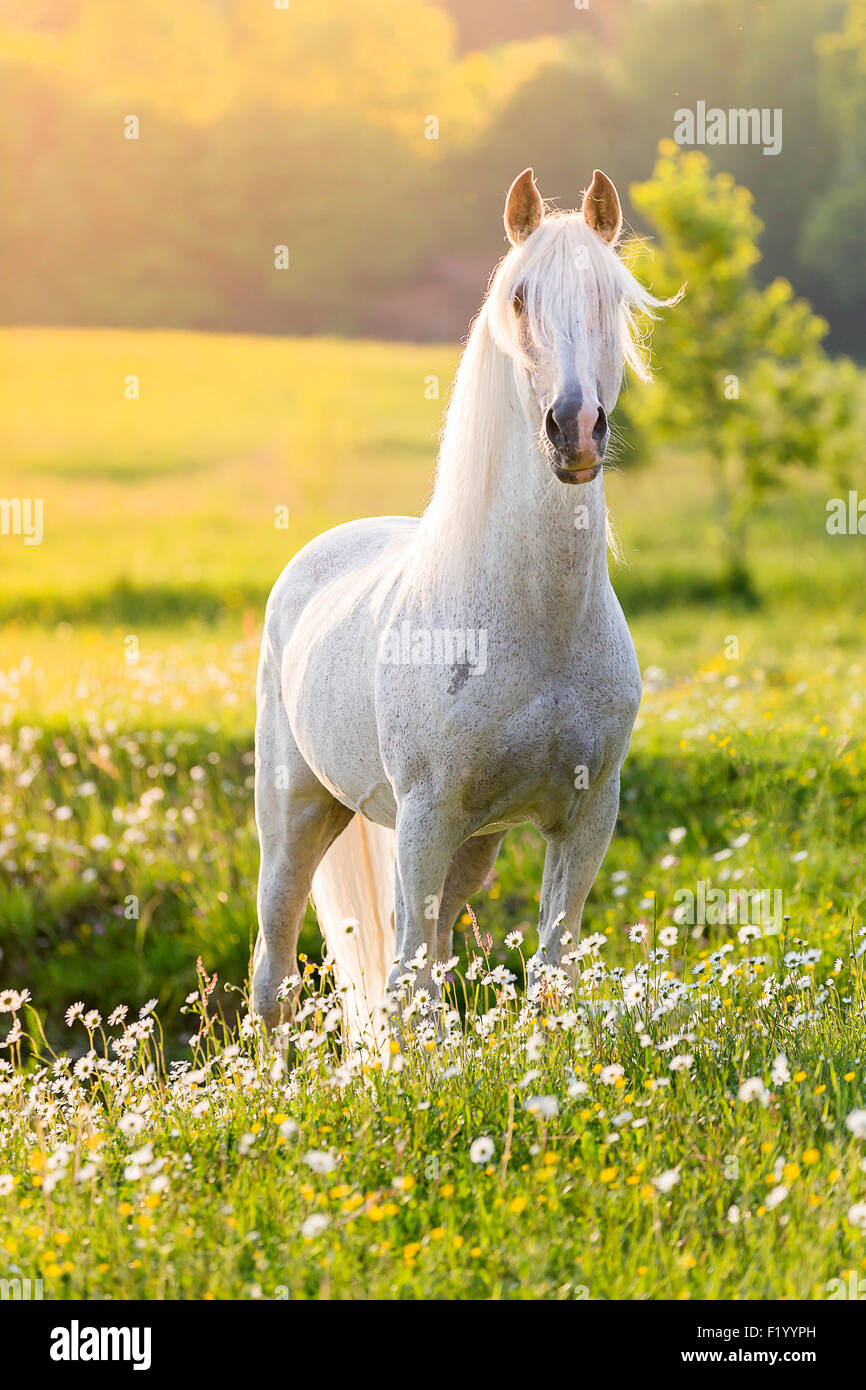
[[700, 1151], [127, 850]]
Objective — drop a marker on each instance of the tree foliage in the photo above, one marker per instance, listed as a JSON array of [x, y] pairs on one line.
[[376, 137], [745, 383]]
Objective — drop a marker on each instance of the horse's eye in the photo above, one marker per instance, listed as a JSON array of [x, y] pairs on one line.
[[517, 302]]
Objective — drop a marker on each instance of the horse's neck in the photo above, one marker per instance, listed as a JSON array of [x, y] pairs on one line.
[[501, 532], [544, 546]]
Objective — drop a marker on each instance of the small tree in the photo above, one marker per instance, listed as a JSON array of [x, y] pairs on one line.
[[744, 381]]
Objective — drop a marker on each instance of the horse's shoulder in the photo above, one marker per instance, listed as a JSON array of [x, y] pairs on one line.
[[342, 549], [340, 553]]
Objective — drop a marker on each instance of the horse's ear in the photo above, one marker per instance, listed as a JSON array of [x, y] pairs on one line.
[[601, 208], [524, 209]]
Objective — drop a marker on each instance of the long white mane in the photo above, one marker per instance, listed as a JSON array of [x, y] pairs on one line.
[[566, 275]]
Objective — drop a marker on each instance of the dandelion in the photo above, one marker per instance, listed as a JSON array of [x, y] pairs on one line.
[[320, 1161], [666, 1181], [131, 1123], [682, 1062], [546, 1106], [315, 1225], [781, 1072], [482, 1149], [857, 1215], [753, 1089], [856, 1123]]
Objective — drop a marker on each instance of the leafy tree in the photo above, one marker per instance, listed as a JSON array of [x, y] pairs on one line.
[[834, 231], [735, 54], [744, 381]]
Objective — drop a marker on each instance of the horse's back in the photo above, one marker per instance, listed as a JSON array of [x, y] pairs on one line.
[[345, 552]]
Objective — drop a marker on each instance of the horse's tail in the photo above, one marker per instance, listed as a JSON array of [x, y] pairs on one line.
[[353, 894]]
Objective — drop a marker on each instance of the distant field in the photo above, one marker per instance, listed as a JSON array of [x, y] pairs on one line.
[[165, 506]]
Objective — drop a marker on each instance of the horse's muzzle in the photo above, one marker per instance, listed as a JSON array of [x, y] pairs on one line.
[[580, 474], [577, 432]]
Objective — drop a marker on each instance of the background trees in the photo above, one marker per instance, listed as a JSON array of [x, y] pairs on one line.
[[377, 137], [745, 385]]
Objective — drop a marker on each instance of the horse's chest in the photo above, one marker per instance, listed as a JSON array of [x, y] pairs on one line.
[[539, 760], [572, 739]]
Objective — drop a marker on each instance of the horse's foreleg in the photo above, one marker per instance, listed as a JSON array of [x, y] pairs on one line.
[[468, 870], [424, 848], [297, 820], [571, 864]]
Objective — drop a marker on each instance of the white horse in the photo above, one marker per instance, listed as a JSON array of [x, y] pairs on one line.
[[426, 684]]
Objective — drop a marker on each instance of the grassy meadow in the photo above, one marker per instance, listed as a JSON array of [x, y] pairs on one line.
[[696, 1130]]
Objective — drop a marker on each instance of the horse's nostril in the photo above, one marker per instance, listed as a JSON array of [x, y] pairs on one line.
[[552, 430], [599, 429]]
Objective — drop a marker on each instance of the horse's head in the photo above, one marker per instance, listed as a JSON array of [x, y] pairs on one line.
[[561, 306]]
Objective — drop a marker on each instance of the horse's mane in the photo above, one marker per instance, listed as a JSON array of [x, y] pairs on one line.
[[565, 274]]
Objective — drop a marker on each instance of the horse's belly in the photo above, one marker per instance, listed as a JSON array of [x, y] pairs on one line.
[[328, 695]]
